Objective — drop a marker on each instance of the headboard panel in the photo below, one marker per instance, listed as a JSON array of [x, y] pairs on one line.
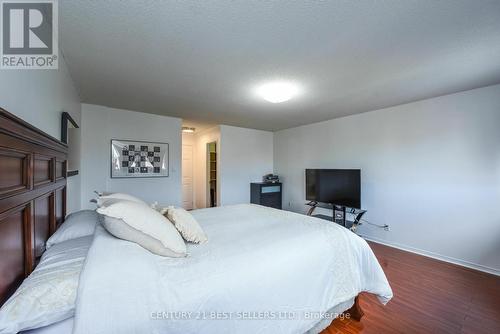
[[32, 197]]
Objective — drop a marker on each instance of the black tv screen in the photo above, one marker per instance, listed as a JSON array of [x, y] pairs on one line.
[[334, 186]]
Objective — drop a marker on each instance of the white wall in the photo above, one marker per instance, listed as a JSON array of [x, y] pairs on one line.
[[430, 169], [201, 140], [100, 125], [39, 97], [245, 156]]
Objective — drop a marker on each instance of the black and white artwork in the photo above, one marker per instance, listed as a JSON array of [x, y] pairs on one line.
[[138, 159]]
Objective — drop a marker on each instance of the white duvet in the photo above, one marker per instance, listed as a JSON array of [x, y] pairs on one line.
[[261, 271]]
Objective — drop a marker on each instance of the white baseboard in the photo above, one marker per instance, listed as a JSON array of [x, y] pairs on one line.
[[444, 258]]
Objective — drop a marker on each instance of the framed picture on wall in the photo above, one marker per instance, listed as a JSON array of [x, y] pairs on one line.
[[138, 159]]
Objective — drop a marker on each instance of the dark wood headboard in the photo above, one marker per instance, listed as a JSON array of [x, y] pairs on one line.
[[32, 197]]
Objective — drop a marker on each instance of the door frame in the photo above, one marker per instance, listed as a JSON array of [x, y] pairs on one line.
[[207, 171]]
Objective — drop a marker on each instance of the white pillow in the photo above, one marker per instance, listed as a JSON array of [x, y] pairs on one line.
[[187, 225], [76, 225], [142, 218], [161, 209], [100, 202], [118, 196], [122, 230], [48, 295]]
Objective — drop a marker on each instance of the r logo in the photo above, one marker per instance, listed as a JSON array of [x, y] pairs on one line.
[[27, 28]]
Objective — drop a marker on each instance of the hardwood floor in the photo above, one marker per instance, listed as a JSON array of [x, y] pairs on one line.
[[430, 296]]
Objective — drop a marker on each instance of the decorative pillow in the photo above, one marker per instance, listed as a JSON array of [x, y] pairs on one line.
[[118, 196], [48, 295], [102, 193], [102, 202], [187, 225], [161, 209], [141, 218], [77, 224], [122, 230]]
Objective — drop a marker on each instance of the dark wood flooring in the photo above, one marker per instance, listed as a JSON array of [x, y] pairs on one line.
[[430, 296]]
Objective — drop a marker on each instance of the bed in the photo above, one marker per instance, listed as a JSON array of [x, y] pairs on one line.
[[262, 271]]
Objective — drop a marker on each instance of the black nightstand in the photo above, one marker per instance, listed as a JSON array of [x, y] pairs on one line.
[[266, 194]]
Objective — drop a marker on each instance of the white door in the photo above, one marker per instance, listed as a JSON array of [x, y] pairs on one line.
[[187, 177]]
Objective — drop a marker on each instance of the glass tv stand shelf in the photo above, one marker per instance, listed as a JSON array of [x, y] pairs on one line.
[[339, 214]]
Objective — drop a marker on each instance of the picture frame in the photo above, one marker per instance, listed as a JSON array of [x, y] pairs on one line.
[[139, 159], [69, 135]]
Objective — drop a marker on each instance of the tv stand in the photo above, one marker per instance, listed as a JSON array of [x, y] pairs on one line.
[[339, 214]]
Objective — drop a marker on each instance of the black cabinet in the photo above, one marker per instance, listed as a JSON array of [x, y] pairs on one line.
[[266, 194]]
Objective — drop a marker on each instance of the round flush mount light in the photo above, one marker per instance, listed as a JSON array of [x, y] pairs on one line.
[[278, 91]]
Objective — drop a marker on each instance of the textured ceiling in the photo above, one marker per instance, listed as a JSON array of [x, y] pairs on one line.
[[200, 60]]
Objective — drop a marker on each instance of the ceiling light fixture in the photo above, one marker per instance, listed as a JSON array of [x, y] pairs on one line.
[[187, 129], [278, 91]]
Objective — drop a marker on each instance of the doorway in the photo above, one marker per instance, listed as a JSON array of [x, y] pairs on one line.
[[211, 174]]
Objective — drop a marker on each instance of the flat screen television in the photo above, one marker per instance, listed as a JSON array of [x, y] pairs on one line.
[[334, 186]]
